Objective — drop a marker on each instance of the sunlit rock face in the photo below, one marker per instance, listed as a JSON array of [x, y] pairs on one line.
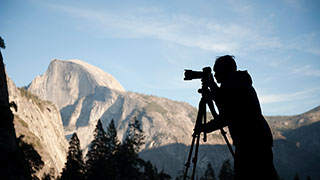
[[41, 125], [64, 82]]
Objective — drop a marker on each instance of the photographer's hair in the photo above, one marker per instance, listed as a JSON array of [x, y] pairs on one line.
[[225, 63]]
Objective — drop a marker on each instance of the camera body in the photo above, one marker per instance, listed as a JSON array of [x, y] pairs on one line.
[[204, 74]]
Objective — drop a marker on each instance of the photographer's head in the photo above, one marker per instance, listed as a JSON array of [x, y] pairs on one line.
[[224, 67]]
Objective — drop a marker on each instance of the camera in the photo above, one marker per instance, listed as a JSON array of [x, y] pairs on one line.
[[190, 74]]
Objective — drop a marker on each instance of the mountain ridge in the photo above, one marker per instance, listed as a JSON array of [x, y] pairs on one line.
[[77, 79]]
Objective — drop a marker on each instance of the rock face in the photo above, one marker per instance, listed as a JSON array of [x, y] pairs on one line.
[[66, 81], [83, 98], [40, 122]]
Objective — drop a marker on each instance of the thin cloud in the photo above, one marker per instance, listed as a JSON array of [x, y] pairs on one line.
[[308, 42], [189, 31], [277, 98], [178, 28], [306, 70]]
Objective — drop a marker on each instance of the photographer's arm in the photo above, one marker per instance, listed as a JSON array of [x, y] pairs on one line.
[[213, 125]]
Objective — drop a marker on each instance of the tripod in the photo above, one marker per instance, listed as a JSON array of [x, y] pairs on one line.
[[202, 115]]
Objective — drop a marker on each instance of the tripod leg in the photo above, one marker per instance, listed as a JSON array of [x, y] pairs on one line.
[[214, 114], [189, 157], [195, 159], [227, 141], [201, 111], [204, 121]]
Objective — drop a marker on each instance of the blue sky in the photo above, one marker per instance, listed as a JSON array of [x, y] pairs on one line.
[[146, 45]]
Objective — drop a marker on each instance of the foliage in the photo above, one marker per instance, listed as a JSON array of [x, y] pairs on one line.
[[74, 167], [129, 163], [2, 44], [49, 175], [209, 173], [100, 160], [296, 177], [226, 172], [113, 145], [112, 140], [40, 103], [32, 160], [152, 106], [107, 158], [164, 176]]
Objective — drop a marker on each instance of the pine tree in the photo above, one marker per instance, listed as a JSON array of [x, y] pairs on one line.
[[164, 176], [128, 161], [2, 44], [112, 139], [226, 172], [113, 145], [49, 175], [209, 173], [296, 177], [135, 136], [74, 167], [97, 155], [32, 159], [150, 172]]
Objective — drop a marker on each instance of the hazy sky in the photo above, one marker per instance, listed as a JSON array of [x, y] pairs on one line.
[[146, 45]]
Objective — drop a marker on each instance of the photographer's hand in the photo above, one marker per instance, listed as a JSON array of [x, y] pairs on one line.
[[199, 128], [207, 81]]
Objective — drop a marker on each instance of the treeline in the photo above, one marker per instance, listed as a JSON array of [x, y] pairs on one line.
[[109, 159], [226, 172]]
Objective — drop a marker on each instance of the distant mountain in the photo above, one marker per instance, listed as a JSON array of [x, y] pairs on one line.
[[40, 122], [64, 82], [296, 149], [85, 94], [288, 123]]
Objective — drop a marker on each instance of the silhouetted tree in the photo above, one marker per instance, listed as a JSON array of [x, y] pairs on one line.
[[135, 136], [74, 167], [226, 172], [49, 175], [209, 173], [150, 172], [112, 140], [164, 176], [97, 155], [129, 163], [180, 175], [113, 145], [2, 44], [32, 160], [308, 178], [296, 177]]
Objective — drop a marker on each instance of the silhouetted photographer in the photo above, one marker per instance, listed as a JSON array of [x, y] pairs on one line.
[[239, 109]]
